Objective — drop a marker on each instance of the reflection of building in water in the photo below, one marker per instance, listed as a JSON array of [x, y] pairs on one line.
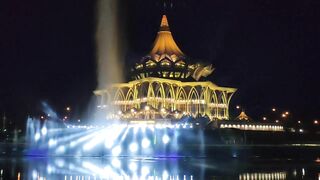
[[166, 86], [263, 175]]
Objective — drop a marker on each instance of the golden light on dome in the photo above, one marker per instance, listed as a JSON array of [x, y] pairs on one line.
[[164, 43]]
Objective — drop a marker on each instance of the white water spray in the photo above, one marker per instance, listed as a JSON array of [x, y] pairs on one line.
[[110, 46]]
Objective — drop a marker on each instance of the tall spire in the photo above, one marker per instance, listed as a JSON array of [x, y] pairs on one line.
[[164, 26], [164, 43]]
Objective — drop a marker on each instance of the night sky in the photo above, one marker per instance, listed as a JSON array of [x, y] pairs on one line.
[[268, 49]]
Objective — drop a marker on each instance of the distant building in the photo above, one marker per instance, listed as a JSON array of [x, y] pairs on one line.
[[166, 86], [243, 116], [244, 122]]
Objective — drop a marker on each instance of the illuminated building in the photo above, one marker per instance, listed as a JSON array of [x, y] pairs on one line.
[[243, 116], [244, 122], [165, 86]]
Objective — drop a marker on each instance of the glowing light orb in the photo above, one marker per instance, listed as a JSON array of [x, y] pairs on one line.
[[37, 136], [133, 147], [61, 149], [145, 143], [145, 170], [165, 139], [116, 151], [52, 142], [59, 162], [133, 166], [50, 169], [165, 175], [34, 174], [116, 163], [44, 130]]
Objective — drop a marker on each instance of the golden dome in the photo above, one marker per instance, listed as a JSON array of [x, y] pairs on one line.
[[164, 43]]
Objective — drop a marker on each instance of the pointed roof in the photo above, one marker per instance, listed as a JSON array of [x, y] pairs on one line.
[[164, 43], [243, 116]]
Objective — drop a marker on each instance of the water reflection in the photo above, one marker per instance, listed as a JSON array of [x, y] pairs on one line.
[[152, 168]]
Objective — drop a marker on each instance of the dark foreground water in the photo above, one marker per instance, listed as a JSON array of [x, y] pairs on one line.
[[72, 168]]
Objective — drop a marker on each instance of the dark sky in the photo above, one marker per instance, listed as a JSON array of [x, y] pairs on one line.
[[268, 49]]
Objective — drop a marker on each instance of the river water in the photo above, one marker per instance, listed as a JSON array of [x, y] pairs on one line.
[[81, 168]]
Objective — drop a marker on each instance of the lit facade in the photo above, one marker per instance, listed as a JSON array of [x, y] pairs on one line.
[[165, 86]]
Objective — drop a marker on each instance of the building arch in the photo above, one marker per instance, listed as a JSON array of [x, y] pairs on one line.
[[181, 100], [168, 95], [151, 95], [203, 101], [159, 95], [119, 99], [129, 100], [214, 104], [193, 101]]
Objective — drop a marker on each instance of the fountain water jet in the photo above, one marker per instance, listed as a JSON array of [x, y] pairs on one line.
[[110, 46]]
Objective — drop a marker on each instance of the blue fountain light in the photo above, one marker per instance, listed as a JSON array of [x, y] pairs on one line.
[[133, 147], [54, 137], [165, 139], [145, 142]]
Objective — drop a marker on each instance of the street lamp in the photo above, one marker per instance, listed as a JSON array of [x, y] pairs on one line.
[[316, 122], [274, 109], [238, 107], [68, 108]]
